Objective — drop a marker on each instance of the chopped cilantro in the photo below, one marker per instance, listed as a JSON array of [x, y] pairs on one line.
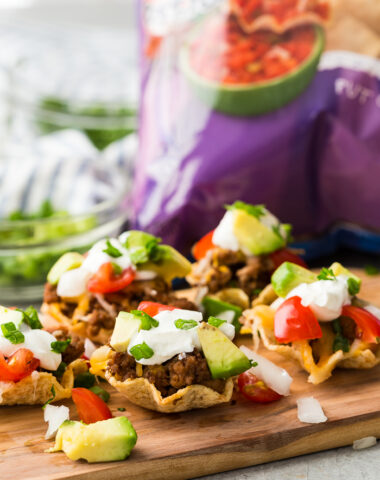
[[216, 322], [141, 350], [143, 247], [256, 211], [326, 274], [353, 286], [185, 324], [11, 333], [147, 322], [253, 363], [111, 250], [60, 346], [371, 270]]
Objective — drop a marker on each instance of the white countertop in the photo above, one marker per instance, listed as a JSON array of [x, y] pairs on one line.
[[339, 464]]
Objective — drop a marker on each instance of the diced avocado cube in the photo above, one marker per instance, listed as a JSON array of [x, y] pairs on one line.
[[68, 261], [105, 441], [126, 326], [9, 315], [223, 357], [214, 307], [254, 235], [288, 275], [170, 264], [338, 269]]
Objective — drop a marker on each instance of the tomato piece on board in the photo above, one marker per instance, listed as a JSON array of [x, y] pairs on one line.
[[255, 390], [91, 408], [293, 322], [18, 366], [203, 246], [286, 255], [106, 281], [367, 323], [153, 308]]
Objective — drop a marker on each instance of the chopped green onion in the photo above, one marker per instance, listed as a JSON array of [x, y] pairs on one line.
[[111, 250], [52, 390], [256, 211], [257, 291], [121, 409], [371, 270], [340, 342], [117, 270], [11, 333], [185, 324], [60, 346], [30, 317], [353, 286], [60, 370], [216, 322], [326, 274], [253, 363], [147, 322], [142, 350], [85, 380], [100, 392]]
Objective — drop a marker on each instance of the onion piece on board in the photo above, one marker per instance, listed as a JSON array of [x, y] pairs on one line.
[[55, 416], [310, 410]]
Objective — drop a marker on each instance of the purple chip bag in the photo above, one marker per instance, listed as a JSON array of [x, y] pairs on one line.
[[305, 142]]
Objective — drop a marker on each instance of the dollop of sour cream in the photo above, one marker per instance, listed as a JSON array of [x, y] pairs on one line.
[[73, 283], [167, 340], [37, 341], [326, 298], [224, 236]]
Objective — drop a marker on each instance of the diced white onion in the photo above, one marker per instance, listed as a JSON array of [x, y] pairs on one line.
[[273, 376], [145, 275], [228, 329], [55, 416], [363, 443], [227, 315], [89, 348], [310, 410]]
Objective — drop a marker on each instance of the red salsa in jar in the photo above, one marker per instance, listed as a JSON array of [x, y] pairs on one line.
[[224, 53]]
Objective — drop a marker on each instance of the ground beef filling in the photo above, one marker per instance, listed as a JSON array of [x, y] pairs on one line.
[[224, 268], [179, 372], [103, 309]]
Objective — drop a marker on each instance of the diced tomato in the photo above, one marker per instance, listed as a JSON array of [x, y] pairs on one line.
[[18, 366], [153, 308], [105, 280], [91, 408], [255, 390], [368, 324], [293, 322], [286, 255], [203, 246]]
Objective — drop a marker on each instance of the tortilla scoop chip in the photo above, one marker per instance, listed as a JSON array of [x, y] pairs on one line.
[[36, 389], [144, 394], [360, 356]]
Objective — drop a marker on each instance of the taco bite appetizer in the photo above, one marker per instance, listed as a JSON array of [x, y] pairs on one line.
[[235, 261], [171, 360], [36, 366], [85, 293], [318, 320]]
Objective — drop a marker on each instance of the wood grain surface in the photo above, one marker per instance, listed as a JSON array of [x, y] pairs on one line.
[[202, 442]]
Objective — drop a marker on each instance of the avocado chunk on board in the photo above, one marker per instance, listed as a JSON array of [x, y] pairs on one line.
[[254, 235], [288, 276], [68, 261], [214, 307], [223, 357], [105, 441], [126, 326]]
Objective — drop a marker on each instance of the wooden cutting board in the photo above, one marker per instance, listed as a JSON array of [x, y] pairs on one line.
[[202, 442]]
